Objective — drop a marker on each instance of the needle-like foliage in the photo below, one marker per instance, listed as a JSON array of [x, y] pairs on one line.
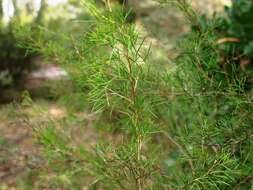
[[187, 126]]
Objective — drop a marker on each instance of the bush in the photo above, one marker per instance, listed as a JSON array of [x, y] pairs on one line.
[[187, 126], [14, 60], [238, 25], [234, 33]]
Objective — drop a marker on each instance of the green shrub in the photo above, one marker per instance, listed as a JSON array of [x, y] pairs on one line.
[[187, 126], [14, 60], [238, 25], [234, 32]]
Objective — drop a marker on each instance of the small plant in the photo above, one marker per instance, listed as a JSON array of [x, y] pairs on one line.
[[187, 126]]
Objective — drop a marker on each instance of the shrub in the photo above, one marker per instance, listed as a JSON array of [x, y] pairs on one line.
[[14, 60], [233, 32], [238, 25], [187, 126]]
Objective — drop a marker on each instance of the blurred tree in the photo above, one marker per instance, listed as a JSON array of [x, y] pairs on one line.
[[41, 13], [1, 9], [16, 9], [74, 2], [29, 7], [15, 61]]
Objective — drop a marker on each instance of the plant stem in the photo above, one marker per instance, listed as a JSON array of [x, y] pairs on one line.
[[139, 180]]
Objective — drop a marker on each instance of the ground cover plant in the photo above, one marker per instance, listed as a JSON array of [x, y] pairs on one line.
[[183, 125]]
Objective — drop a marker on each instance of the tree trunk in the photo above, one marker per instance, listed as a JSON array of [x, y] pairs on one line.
[[41, 13], [1, 11], [29, 7], [16, 9]]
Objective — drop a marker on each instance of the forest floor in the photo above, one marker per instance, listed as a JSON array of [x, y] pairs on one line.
[[21, 153]]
